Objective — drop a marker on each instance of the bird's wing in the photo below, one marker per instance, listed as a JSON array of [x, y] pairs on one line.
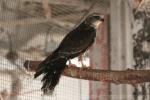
[[76, 42]]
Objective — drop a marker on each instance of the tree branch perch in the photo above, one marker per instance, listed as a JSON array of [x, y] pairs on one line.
[[128, 76]]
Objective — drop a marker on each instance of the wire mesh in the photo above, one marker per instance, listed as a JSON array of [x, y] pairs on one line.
[[31, 29]]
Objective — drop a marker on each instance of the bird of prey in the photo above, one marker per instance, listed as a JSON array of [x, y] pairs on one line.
[[74, 44]]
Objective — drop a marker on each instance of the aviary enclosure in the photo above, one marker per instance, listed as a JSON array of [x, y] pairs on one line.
[[117, 64]]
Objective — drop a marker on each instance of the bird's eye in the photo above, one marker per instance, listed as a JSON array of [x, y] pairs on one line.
[[96, 17]]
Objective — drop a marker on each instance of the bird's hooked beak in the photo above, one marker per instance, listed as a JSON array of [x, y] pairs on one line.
[[98, 22]]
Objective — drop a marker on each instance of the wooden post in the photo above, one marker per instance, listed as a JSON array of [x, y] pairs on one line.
[[99, 59], [121, 44]]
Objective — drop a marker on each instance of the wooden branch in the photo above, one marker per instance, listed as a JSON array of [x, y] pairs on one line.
[[128, 76]]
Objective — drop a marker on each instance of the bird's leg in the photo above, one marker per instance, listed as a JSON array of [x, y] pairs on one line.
[[70, 64], [80, 58]]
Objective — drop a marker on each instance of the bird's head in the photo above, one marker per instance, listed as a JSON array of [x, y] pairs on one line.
[[94, 20]]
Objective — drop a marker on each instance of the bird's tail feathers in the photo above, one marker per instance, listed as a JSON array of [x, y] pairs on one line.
[[52, 69], [43, 65]]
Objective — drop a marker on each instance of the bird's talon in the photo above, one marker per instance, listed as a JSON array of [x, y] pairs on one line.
[[70, 64]]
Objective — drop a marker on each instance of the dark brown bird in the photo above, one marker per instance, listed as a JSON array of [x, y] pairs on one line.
[[75, 43]]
